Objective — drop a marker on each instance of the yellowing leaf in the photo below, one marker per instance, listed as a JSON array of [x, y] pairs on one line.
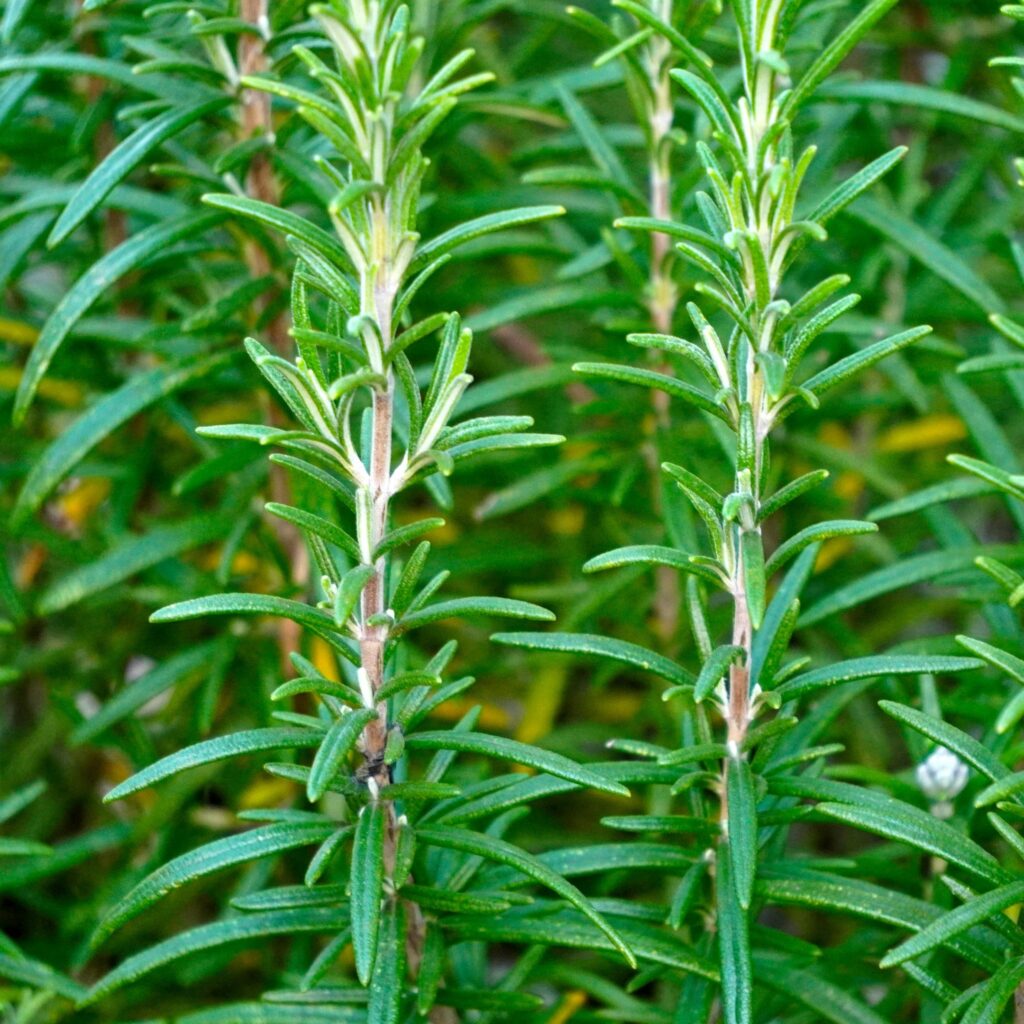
[[17, 332], [927, 432]]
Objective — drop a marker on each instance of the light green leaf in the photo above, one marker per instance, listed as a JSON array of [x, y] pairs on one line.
[[870, 667], [82, 294], [218, 749], [742, 828], [216, 856], [833, 54], [650, 554], [733, 948], [120, 163], [672, 387], [368, 886], [340, 739], [460, 607], [907, 824], [211, 936], [512, 750], [714, 668], [853, 364], [601, 646], [976, 754], [924, 97], [955, 922], [791, 547], [495, 849], [245, 604], [484, 225]]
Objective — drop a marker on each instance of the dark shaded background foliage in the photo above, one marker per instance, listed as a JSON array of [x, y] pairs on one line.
[[932, 244]]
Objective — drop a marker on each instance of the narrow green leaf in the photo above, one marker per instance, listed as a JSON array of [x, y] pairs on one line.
[[833, 54], [650, 554], [459, 607], [907, 824], [97, 423], [340, 739], [218, 749], [124, 158], [975, 753], [388, 983], [870, 667], [603, 647], [714, 668], [742, 828], [82, 294], [484, 225], [245, 604], [367, 886], [211, 936], [853, 364], [512, 750], [492, 848], [791, 547], [216, 856], [672, 387], [733, 948], [923, 97], [955, 922], [992, 997], [129, 557]]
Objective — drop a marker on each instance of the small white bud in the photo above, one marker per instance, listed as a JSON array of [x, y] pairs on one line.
[[942, 776]]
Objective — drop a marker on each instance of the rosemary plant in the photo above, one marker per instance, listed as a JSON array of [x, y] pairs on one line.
[[747, 373], [376, 113]]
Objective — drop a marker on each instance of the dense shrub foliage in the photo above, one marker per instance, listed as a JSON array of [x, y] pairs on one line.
[[679, 340]]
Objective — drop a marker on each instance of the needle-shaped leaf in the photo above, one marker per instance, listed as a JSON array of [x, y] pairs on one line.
[[247, 928], [792, 546], [368, 886], [245, 604], [651, 554], [338, 741], [741, 840], [460, 607], [853, 364], [908, 824], [85, 291], [714, 668], [479, 226], [603, 647], [101, 419], [833, 54], [975, 753], [871, 667], [956, 922], [316, 525], [218, 749], [512, 750], [264, 841], [672, 387], [492, 848], [733, 947], [119, 163], [129, 557], [388, 982]]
